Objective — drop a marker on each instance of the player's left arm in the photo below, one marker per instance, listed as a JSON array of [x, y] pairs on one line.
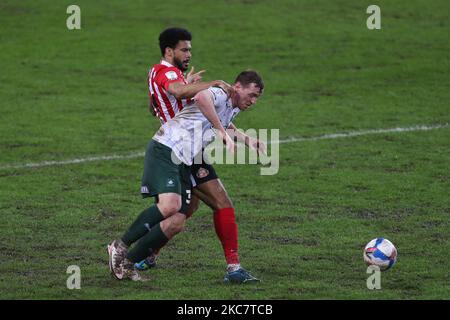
[[250, 142], [205, 103]]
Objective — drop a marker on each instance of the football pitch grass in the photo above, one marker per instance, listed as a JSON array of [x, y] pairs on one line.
[[82, 93]]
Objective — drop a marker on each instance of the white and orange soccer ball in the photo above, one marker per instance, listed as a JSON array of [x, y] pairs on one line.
[[380, 252]]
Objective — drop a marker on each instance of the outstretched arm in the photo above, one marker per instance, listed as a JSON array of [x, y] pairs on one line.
[[250, 142], [186, 91]]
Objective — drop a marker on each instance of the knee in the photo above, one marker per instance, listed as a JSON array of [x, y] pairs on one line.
[[177, 223], [169, 208]]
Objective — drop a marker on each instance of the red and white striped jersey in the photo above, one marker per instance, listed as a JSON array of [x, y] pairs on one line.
[[166, 106]]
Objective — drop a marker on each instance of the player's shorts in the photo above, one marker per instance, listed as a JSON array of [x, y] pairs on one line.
[[161, 175], [201, 173]]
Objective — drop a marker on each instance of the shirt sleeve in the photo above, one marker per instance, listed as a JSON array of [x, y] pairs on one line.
[[168, 76], [219, 95]]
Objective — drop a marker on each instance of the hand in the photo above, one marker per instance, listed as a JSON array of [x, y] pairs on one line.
[[226, 87], [194, 77], [227, 141], [257, 145]]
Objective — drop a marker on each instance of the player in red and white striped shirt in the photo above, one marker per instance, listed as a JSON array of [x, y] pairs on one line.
[[169, 91]]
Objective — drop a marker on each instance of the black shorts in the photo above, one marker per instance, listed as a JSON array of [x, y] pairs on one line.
[[201, 173]]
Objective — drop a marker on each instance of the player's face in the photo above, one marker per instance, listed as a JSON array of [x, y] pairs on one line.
[[182, 55], [246, 96]]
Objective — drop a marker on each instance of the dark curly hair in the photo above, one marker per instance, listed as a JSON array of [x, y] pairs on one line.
[[171, 36]]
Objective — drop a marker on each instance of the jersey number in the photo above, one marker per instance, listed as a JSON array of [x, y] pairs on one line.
[[188, 198]]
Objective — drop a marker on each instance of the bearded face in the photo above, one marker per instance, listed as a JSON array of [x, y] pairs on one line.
[[182, 55]]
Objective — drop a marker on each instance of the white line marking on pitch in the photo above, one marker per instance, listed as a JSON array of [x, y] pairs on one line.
[[137, 154], [365, 132]]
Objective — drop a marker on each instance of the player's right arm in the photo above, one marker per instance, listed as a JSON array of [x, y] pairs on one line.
[[205, 103], [186, 91], [172, 80]]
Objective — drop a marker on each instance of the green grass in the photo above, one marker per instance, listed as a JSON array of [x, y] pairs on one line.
[[73, 94]]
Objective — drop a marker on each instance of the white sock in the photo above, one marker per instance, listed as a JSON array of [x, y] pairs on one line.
[[233, 267]]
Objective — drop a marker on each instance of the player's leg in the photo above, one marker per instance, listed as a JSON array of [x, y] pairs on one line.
[[215, 196], [122, 259], [173, 225], [209, 189], [150, 261], [156, 237], [168, 204], [160, 234], [161, 179], [213, 193]]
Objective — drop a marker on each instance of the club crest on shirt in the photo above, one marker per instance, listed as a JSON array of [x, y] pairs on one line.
[[170, 183], [171, 75], [202, 172]]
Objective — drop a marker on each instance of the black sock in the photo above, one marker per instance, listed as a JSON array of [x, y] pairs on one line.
[[146, 220], [153, 240]]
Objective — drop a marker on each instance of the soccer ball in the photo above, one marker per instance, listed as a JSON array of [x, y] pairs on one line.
[[380, 252]]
